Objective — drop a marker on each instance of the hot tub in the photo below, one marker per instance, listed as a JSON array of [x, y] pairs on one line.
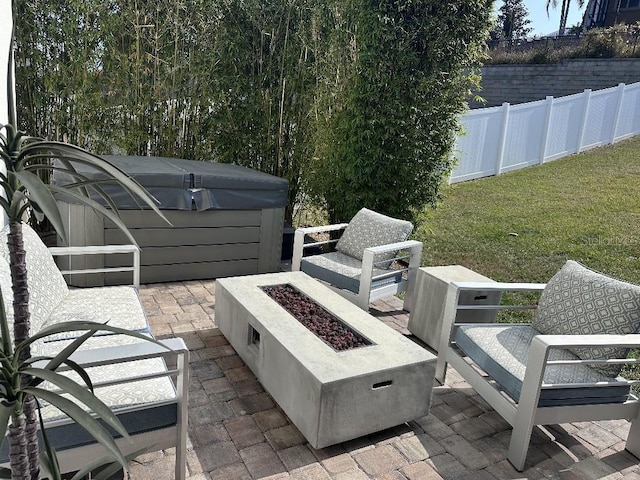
[[227, 221]]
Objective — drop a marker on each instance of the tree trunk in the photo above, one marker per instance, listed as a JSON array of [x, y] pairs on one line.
[[21, 325], [18, 457], [31, 434]]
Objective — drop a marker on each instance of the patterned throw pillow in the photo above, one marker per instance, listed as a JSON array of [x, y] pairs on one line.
[[371, 229], [579, 301]]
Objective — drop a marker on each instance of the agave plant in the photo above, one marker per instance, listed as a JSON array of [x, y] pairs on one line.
[[21, 376]]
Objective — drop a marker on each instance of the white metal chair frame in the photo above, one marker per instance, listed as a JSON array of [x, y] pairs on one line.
[[101, 250], [176, 436], [177, 353], [366, 294], [525, 414]]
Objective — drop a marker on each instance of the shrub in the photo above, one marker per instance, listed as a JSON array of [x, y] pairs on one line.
[[355, 102], [394, 79], [618, 41]]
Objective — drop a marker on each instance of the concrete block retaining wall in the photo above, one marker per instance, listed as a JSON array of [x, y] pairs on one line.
[[526, 83]]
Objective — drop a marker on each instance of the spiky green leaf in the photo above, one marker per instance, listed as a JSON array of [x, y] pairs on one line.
[[110, 470], [73, 326], [76, 154], [7, 346], [79, 393], [39, 193], [82, 418], [98, 208], [6, 410], [48, 459]]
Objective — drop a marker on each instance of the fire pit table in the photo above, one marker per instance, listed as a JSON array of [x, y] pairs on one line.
[[331, 396]]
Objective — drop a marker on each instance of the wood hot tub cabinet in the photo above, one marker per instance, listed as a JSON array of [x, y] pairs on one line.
[[226, 220]]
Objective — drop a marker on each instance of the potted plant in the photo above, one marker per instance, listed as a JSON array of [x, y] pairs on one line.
[[21, 376]]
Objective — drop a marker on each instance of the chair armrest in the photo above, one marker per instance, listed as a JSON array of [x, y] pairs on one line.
[[102, 250], [299, 245], [130, 352], [368, 257], [369, 262], [93, 249], [600, 340], [538, 360]]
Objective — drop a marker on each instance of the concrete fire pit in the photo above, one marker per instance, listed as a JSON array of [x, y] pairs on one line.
[[330, 396]]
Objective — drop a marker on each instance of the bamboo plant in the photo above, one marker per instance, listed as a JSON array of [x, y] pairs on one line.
[[25, 158]]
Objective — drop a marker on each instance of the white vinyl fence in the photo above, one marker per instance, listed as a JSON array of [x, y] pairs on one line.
[[510, 137]]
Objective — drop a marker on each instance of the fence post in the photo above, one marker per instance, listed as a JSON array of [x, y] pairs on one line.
[[616, 118], [503, 137], [546, 126], [583, 122]]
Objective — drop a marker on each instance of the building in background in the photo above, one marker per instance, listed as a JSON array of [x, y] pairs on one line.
[[605, 13]]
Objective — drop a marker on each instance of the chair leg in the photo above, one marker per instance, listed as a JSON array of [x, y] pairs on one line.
[[298, 246], [633, 440], [528, 403], [183, 408], [448, 321], [362, 300], [414, 264], [364, 291], [519, 444]]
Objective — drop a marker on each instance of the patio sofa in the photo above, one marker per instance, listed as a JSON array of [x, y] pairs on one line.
[[145, 384]]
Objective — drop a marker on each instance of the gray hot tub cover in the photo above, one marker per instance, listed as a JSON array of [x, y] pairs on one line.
[[182, 184]]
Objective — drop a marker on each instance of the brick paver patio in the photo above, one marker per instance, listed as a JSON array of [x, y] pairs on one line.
[[236, 431]]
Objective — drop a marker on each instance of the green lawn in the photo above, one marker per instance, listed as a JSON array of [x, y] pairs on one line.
[[522, 226]]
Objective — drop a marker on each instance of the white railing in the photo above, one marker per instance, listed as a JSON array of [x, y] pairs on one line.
[[510, 137]]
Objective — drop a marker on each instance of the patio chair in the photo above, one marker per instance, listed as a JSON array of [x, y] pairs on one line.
[[362, 268], [562, 367]]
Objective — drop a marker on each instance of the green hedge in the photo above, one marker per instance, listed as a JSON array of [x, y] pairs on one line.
[[354, 102]]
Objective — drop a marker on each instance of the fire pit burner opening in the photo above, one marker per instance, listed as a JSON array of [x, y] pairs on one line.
[[326, 326]]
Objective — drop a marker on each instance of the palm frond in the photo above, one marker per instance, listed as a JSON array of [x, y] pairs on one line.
[[40, 197], [84, 419]]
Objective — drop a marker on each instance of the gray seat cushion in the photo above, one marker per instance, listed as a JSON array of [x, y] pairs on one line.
[[141, 406], [579, 301], [119, 306], [343, 271], [371, 229], [502, 351]]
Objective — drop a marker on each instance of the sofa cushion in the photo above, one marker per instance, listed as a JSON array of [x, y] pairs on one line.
[[371, 229], [141, 406], [119, 306], [51, 348], [502, 351], [47, 287], [157, 395], [343, 271], [580, 301]]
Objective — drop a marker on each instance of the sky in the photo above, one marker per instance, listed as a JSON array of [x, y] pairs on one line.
[[543, 25]]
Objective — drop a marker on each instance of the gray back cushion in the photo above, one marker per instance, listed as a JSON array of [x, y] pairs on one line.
[[47, 287], [371, 229], [579, 301]]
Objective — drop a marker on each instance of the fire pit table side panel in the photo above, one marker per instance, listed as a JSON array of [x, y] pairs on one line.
[[362, 405], [277, 369]]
